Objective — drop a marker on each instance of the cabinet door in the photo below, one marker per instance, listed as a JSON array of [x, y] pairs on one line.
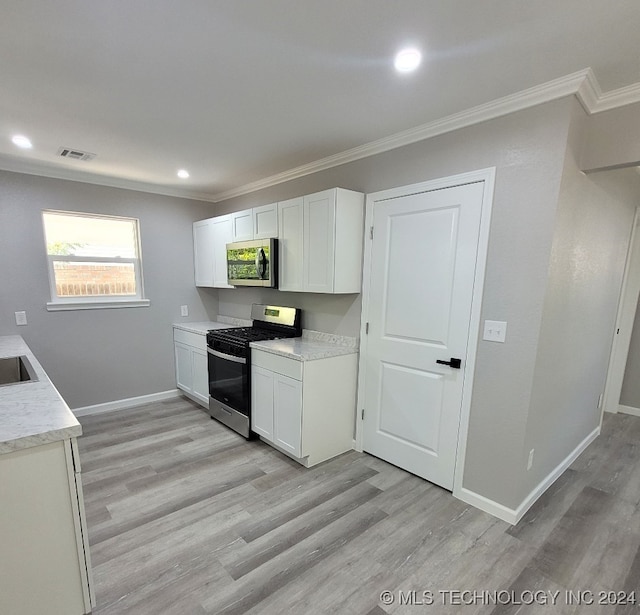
[[290, 230], [319, 241], [200, 375], [242, 225], [287, 415], [184, 371], [262, 402], [40, 567], [265, 221], [222, 227], [203, 246]]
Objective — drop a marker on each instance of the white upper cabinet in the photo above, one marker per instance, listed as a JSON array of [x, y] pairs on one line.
[[203, 252], [256, 223], [222, 235], [321, 242], [265, 221], [242, 225], [210, 239], [290, 247]]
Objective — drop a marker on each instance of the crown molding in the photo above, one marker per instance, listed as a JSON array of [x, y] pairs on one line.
[[583, 84], [546, 92], [589, 92], [618, 98], [43, 169], [594, 100]]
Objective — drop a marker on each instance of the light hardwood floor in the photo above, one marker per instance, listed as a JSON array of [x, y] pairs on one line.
[[187, 517]]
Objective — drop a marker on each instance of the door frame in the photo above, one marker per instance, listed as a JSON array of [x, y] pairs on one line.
[[482, 175], [627, 307]]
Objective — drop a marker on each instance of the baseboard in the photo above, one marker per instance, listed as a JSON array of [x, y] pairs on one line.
[[511, 515], [629, 410], [487, 505], [121, 404], [544, 484]]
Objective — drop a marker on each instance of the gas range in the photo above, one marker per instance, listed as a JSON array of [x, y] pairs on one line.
[[229, 362], [243, 336]]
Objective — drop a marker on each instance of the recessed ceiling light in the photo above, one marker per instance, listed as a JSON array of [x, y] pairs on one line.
[[22, 141], [407, 60], [183, 174]]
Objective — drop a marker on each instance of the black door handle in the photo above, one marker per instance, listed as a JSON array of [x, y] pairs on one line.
[[455, 363]]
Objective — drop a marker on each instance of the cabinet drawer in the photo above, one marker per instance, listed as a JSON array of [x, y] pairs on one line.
[[277, 363], [190, 339]]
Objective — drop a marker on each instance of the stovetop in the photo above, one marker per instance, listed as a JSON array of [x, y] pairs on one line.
[[270, 322], [246, 334]]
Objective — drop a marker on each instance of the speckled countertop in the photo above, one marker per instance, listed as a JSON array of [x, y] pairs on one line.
[[311, 346], [32, 413]]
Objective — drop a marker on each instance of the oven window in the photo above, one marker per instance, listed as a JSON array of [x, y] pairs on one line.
[[229, 383]]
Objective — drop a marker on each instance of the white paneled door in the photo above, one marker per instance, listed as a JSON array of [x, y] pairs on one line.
[[422, 270]]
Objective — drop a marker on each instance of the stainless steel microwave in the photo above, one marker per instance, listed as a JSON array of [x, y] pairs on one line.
[[253, 263]]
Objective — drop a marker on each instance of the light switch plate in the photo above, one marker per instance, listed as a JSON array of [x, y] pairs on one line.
[[495, 331], [184, 310], [21, 318]]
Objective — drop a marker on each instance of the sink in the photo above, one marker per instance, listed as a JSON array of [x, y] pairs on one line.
[[16, 370]]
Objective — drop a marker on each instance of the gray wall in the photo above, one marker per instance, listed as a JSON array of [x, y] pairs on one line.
[[96, 356], [591, 237], [528, 149], [612, 139], [329, 313], [630, 394]]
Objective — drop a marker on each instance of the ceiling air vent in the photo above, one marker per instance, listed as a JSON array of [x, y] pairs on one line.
[[75, 154]]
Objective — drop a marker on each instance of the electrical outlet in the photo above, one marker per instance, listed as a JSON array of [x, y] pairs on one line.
[[495, 331], [184, 310], [530, 461], [21, 318]]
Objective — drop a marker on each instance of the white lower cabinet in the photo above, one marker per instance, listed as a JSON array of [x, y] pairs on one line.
[[192, 373], [305, 409], [45, 565], [262, 398], [287, 414]]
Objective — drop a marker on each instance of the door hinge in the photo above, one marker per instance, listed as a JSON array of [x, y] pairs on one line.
[[366, 329], [371, 232], [362, 414]]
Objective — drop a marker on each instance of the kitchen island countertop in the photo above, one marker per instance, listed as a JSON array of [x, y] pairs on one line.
[[32, 413]]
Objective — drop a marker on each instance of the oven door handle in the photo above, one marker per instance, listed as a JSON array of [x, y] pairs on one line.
[[227, 357]]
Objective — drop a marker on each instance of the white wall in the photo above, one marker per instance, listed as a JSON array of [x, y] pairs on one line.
[[591, 236], [96, 356]]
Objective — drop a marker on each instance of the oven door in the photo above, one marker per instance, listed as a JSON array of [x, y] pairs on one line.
[[229, 380]]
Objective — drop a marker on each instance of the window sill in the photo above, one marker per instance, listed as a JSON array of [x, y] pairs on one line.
[[96, 305]]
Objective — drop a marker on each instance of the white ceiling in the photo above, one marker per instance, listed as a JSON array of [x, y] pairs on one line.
[[237, 91]]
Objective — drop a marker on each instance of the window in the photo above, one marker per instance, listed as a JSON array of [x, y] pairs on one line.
[[94, 261]]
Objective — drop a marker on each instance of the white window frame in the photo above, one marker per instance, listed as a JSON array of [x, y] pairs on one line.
[[93, 302]]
